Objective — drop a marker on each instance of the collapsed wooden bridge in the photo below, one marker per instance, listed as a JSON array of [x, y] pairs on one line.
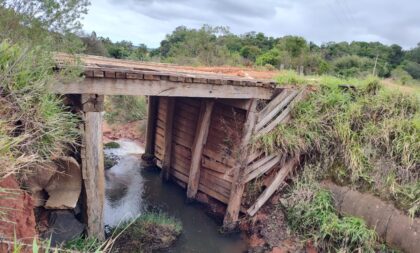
[[199, 129]]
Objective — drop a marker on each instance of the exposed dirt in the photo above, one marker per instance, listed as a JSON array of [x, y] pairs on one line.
[[268, 231], [130, 131], [18, 217]]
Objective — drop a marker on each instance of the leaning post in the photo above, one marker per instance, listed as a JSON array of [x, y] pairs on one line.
[[238, 184], [93, 164]]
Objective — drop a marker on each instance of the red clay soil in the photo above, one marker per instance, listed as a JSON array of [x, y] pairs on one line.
[[19, 216], [123, 131]]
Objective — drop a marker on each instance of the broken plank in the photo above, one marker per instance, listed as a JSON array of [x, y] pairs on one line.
[[197, 150], [269, 191]]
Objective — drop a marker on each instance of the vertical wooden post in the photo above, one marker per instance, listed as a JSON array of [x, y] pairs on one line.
[[151, 127], [238, 183], [197, 149], [93, 164], [167, 152]]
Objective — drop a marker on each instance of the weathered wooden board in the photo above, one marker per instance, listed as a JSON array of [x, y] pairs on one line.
[[93, 173], [200, 139], [111, 86]]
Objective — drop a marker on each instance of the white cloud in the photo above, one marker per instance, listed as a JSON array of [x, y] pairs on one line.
[[148, 21]]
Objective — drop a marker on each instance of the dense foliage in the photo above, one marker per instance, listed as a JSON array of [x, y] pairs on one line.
[[218, 46]]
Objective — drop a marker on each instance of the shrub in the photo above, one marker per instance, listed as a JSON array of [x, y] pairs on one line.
[[401, 76]]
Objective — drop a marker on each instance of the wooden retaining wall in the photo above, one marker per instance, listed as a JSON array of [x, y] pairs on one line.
[[219, 151]]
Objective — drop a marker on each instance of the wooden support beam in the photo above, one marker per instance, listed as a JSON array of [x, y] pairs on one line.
[[263, 168], [113, 86], [167, 150], [274, 108], [238, 184], [281, 118], [269, 191], [151, 127], [93, 165], [197, 149]]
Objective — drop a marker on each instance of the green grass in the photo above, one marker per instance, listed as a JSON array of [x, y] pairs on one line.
[[311, 213], [34, 124], [112, 145], [368, 137], [82, 244], [150, 231]]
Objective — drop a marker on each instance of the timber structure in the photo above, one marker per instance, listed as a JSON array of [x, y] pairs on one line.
[[199, 130]]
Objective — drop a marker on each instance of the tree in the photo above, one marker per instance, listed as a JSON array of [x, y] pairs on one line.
[[55, 15]]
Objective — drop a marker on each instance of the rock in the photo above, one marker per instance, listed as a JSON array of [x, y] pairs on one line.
[[63, 226], [65, 185], [19, 217]]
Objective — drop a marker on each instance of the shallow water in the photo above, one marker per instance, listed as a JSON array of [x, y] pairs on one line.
[[131, 190]]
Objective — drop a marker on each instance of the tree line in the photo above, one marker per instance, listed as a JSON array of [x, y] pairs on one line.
[[213, 46]]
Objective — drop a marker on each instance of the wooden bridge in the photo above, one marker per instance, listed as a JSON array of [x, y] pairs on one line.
[[199, 129]]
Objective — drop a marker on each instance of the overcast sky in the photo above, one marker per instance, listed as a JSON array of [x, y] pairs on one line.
[[148, 21]]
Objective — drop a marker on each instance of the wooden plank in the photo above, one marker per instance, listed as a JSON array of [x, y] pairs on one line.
[[269, 191], [255, 165], [214, 165], [151, 125], [273, 103], [107, 86], [238, 185], [283, 115], [167, 152], [265, 118], [197, 150], [263, 169], [93, 173]]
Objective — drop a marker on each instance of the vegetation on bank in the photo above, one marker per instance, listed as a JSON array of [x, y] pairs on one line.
[[368, 137], [125, 109], [150, 231], [146, 233], [34, 125]]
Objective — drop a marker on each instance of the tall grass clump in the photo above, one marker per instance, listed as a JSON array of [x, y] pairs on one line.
[[125, 109], [311, 213], [34, 124], [368, 137]]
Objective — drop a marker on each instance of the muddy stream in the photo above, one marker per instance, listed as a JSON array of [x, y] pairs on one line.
[[132, 190]]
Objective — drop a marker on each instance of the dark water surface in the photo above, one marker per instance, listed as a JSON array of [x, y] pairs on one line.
[[131, 189]]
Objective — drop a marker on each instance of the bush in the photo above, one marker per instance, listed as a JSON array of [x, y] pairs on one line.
[[401, 76]]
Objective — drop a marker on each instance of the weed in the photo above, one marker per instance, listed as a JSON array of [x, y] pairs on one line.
[[311, 213]]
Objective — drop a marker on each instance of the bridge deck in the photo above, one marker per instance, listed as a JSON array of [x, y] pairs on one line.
[[104, 76]]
